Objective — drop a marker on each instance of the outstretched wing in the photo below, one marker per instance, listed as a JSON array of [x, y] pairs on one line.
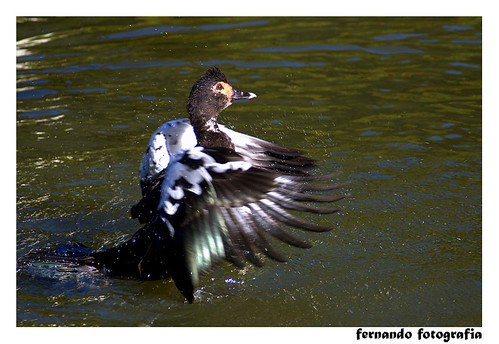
[[215, 206], [174, 136]]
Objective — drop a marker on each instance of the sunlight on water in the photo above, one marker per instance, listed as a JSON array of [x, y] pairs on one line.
[[393, 103]]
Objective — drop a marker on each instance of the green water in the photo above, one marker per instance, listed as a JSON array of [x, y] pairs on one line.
[[394, 103]]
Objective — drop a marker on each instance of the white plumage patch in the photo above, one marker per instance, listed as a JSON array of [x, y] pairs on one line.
[[156, 158], [169, 139]]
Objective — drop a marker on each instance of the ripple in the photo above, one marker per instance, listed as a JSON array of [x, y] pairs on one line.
[[463, 64], [389, 50], [455, 72], [154, 30], [30, 94], [259, 63], [98, 66], [370, 133], [40, 113], [87, 90], [383, 50], [457, 27], [398, 36], [467, 41]]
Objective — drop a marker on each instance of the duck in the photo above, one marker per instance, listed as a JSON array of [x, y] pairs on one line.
[[211, 194]]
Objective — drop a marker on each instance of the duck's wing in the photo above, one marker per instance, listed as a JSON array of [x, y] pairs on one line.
[[215, 205], [269, 155], [173, 136], [176, 135]]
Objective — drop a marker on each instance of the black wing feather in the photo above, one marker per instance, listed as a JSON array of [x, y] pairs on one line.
[[237, 209]]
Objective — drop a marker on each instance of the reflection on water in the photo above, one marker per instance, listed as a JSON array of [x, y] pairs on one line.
[[394, 103], [171, 29], [341, 47]]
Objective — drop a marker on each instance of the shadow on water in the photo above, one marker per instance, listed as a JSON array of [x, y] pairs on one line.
[[394, 103]]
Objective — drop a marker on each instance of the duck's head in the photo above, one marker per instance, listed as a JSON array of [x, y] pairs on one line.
[[211, 94]]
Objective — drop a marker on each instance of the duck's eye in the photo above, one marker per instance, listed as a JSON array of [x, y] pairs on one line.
[[220, 87]]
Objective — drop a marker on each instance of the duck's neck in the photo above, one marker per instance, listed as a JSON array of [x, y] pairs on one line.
[[208, 133]]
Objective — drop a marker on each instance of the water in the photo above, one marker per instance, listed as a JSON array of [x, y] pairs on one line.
[[394, 103]]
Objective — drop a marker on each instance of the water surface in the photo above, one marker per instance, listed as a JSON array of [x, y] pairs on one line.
[[394, 103]]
